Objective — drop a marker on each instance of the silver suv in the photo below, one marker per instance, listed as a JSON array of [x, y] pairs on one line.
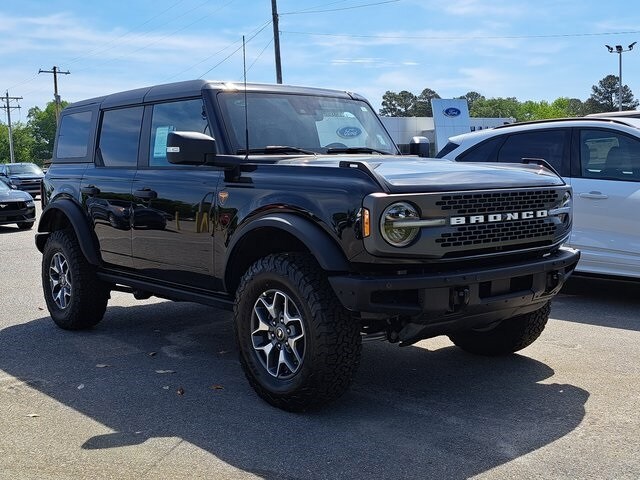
[[599, 158]]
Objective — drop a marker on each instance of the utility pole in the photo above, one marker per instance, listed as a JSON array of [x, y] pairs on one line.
[[56, 97], [276, 40], [7, 106]]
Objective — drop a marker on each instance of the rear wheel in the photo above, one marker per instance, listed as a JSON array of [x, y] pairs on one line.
[[299, 347], [75, 297], [509, 336]]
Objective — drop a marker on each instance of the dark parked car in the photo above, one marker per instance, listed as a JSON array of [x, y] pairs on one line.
[[16, 207], [22, 176]]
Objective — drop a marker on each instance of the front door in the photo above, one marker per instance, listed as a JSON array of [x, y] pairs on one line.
[[174, 205]]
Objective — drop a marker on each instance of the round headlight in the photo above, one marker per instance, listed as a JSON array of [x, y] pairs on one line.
[[391, 224]]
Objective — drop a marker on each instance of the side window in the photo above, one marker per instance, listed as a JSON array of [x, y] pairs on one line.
[[120, 137], [609, 155], [484, 152], [184, 115], [549, 145], [73, 136]]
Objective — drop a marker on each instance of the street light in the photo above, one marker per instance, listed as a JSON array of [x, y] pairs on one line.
[[619, 50]]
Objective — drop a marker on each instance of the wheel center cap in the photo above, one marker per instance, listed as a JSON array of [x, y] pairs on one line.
[[280, 333]]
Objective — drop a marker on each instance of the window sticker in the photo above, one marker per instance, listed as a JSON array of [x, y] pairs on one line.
[[160, 144]]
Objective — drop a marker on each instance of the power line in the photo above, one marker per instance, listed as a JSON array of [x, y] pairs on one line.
[[236, 50], [488, 37], [300, 12]]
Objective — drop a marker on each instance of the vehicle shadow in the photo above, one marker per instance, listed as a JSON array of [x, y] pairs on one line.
[[171, 370], [581, 296]]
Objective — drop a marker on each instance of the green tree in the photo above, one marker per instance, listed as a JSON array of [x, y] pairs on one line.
[[604, 96], [495, 107], [43, 127], [471, 98], [423, 103], [401, 104], [22, 143]]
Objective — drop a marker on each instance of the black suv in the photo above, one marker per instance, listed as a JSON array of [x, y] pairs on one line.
[[292, 207]]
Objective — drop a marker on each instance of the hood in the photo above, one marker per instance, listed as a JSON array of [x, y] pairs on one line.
[[403, 174], [14, 195], [26, 176]]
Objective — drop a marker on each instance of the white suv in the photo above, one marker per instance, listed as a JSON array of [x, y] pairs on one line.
[[600, 158]]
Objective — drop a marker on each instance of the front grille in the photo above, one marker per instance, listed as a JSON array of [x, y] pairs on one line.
[[496, 202], [486, 234], [503, 235], [10, 211]]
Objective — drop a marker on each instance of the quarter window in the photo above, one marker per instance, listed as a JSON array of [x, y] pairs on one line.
[[548, 145], [185, 115], [120, 137], [73, 138]]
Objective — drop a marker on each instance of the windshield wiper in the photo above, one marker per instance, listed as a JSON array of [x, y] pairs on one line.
[[356, 150], [276, 149]]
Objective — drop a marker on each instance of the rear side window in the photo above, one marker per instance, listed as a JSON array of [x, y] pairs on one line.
[[73, 136], [484, 152], [450, 146], [184, 115], [609, 155], [549, 145], [120, 137]]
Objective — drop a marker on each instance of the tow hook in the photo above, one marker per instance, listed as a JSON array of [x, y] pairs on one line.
[[459, 298], [553, 280]]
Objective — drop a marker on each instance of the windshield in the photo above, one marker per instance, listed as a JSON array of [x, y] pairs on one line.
[[24, 168], [314, 123]]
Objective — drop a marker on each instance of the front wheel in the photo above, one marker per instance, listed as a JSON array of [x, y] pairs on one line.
[[75, 297], [509, 336], [299, 348]]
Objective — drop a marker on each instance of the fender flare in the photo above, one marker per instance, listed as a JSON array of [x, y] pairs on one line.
[[326, 251], [78, 220]]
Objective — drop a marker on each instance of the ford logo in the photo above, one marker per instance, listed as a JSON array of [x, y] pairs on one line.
[[451, 112], [349, 132]]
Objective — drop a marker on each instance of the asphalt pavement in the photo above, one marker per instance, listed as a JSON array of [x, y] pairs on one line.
[[155, 391]]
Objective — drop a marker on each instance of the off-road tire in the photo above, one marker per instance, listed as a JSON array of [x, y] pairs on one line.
[[332, 343], [509, 336], [25, 225], [64, 266]]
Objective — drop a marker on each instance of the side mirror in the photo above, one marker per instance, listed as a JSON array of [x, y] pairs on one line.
[[190, 148], [419, 146]]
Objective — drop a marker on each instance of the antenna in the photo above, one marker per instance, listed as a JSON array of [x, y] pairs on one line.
[[246, 107]]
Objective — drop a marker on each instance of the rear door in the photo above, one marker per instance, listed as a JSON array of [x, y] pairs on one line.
[[106, 185], [606, 189], [174, 205]]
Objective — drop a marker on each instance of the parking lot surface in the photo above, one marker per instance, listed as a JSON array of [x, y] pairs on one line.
[[156, 391]]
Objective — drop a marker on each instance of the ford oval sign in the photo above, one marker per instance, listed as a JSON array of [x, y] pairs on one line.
[[451, 112], [348, 132]]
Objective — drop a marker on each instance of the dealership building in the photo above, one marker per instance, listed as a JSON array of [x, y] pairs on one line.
[[450, 117]]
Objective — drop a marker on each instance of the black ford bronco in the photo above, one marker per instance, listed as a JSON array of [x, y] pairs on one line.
[[293, 207]]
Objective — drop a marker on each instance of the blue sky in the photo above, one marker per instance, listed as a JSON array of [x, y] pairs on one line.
[[531, 50]]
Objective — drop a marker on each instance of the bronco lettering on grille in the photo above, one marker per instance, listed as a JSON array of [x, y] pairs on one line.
[[498, 217]]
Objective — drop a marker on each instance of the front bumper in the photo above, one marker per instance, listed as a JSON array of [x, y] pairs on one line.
[[488, 294], [23, 214]]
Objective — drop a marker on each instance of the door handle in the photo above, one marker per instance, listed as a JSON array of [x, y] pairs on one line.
[[90, 190], [146, 194], [594, 195]]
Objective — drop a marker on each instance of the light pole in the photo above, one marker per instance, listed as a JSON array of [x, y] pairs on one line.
[[619, 50]]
